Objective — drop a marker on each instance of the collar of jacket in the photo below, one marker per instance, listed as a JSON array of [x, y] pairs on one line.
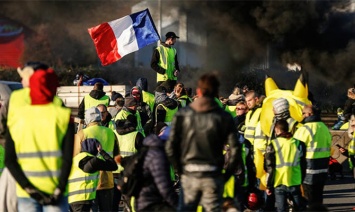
[[204, 104]]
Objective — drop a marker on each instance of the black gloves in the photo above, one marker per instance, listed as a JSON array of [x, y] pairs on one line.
[[43, 198]]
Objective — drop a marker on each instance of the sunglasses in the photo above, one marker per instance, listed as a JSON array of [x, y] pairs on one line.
[[240, 108]]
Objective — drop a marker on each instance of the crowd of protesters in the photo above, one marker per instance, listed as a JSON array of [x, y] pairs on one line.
[[206, 152]]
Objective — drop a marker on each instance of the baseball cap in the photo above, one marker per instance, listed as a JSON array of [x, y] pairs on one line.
[[171, 35]]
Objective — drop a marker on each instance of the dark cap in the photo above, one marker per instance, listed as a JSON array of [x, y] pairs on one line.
[[171, 35], [130, 101]]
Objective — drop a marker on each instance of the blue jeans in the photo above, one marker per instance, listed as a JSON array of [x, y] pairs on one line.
[[204, 191], [31, 205], [282, 192]]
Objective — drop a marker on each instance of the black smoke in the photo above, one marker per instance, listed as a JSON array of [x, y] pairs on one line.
[[319, 35]]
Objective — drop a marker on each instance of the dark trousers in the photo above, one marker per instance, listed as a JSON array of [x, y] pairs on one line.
[[294, 192], [103, 201], [159, 207], [313, 193], [80, 206]]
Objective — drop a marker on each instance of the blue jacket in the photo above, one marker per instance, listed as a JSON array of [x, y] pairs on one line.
[[158, 186]]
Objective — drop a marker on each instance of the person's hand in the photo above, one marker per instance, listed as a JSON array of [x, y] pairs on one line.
[[99, 148], [39, 196], [268, 192], [341, 149], [176, 73], [118, 159], [55, 197]]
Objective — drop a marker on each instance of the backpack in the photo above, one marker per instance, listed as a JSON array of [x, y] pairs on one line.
[[132, 180]]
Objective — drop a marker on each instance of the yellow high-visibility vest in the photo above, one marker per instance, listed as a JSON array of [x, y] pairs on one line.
[[167, 62], [81, 185], [39, 151]]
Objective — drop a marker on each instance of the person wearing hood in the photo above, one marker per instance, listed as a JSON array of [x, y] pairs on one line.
[[143, 109], [166, 107], [108, 140], [84, 175], [117, 101], [95, 97], [195, 147], [39, 147], [159, 194], [318, 140]]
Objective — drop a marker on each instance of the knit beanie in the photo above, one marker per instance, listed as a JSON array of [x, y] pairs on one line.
[[115, 95], [43, 86], [92, 115], [280, 105], [130, 101]]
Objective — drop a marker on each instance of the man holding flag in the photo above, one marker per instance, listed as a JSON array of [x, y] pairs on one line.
[[164, 61]]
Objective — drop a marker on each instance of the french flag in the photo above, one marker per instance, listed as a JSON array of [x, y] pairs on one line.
[[117, 38]]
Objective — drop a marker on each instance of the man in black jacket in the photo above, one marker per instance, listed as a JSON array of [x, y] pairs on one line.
[[195, 148]]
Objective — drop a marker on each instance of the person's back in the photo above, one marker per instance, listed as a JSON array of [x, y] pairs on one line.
[[95, 97], [157, 193], [195, 147], [41, 164]]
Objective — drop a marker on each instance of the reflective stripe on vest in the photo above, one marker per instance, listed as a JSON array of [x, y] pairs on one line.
[[91, 102], [169, 114], [81, 185], [167, 62], [288, 169], [251, 120], [39, 151], [317, 145]]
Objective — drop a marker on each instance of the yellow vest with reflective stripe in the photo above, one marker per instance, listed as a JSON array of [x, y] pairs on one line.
[[20, 98], [127, 146], [288, 169], [2, 159], [81, 185], [39, 151], [317, 138], [107, 139], [251, 120], [149, 99], [169, 114], [91, 102], [123, 114], [167, 62]]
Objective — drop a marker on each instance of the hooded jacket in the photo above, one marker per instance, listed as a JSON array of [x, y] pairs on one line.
[[96, 94], [156, 169]]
